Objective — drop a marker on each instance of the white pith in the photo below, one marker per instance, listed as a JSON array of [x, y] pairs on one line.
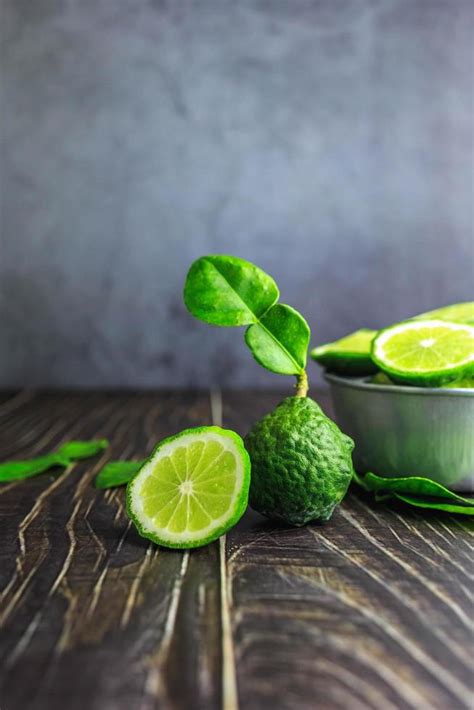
[[162, 532], [186, 488], [382, 339]]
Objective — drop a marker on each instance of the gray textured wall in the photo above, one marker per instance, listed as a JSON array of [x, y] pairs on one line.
[[330, 141]]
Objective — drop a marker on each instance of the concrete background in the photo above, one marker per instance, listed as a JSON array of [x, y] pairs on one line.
[[330, 141]]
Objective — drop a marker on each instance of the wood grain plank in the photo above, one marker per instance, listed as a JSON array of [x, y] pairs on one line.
[[199, 669], [371, 610], [80, 588]]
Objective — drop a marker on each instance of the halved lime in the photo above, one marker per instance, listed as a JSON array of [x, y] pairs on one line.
[[192, 489], [426, 353], [456, 313], [349, 355]]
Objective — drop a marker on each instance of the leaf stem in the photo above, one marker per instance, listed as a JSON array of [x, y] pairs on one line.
[[301, 384]]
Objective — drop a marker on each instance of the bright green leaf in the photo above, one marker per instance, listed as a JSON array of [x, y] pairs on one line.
[[228, 291], [18, 470], [418, 491], [76, 450], [437, 504], [411, 485], [64, 456], [279, 341], [117, 473]]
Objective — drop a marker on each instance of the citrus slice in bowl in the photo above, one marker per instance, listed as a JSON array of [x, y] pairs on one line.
[[456, 313], [192, 489], [426, 353], [349, 355]]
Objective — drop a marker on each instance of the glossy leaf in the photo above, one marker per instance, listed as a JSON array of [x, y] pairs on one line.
[[75, 450], [64, 456], [17, 470], [228, 291], [279, 341], [117, 473], [437, 504], [418, 491]]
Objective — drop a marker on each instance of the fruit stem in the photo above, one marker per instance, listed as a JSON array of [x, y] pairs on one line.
[[301, 384]]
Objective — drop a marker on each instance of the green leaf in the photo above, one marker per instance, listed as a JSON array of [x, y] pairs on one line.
[[64, 456], [279, 341], [411, 485], [437, 504], [228, 291], [117, 473], [418, 491], [75, 450], [17, 470]]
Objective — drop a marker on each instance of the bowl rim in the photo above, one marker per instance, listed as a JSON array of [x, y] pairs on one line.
[[361, 383]]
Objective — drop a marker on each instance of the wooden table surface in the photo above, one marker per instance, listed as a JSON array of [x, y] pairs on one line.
[[371, 610]]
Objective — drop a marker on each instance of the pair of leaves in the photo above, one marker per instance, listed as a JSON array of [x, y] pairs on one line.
[[418, 491], [66, 454], [229, 291]]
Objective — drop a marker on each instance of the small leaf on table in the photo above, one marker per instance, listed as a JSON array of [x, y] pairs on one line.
[[64, 456], [117, 473], [279, 341], [18, 470], [437, 504], [76, 450], [416, 490], [228, 291]]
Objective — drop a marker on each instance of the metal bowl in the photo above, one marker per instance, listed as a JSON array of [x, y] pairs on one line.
[[403, 431]]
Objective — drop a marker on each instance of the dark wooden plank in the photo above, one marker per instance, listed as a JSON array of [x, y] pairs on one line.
[[92, 615], [11, 397], [371, 610]]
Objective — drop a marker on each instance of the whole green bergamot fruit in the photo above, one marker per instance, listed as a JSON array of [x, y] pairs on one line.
[[301, 463]]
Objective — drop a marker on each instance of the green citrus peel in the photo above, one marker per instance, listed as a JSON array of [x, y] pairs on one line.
[[350, 355], [301, 463], [456, 313]]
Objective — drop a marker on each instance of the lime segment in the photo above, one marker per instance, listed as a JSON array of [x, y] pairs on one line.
[[427, 353], [349, 355], [192, 489], [456, 313], [465, 383]]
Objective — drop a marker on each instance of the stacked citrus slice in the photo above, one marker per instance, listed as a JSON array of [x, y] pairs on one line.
[[434, 349], [425, 352]]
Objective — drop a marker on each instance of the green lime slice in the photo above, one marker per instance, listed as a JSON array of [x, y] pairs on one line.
[[456, 313], [465, 383], [426, 353], [349, 355], [192, 489], [380, 378]]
